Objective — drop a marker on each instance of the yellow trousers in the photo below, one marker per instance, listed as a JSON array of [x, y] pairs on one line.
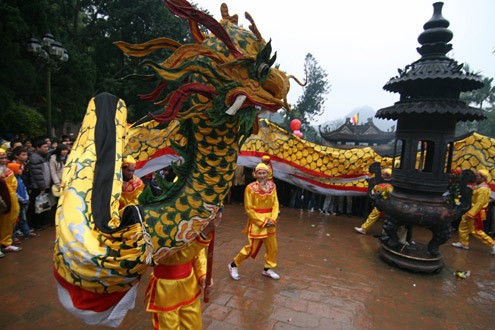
[[372, 218], [6, 230], [466, 227], [253, 247], [183, 318], [7, 223]]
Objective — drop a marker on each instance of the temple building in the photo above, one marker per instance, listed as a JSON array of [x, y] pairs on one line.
[[349, 136]]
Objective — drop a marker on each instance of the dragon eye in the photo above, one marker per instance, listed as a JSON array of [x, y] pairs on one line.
[[263, 70]]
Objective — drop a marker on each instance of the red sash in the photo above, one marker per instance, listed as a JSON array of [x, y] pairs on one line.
[[478, 220], [173, 272], [268, 210]]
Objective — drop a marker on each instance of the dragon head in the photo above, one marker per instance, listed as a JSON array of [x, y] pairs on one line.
[[228, 74], [211, 92]]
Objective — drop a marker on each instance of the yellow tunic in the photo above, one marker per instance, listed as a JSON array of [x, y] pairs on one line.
[[130, 192], [7, 220], [261, 205], [472, 220], [481, 198], [173, 295]]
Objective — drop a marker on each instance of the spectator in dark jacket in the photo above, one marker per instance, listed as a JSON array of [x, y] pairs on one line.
[[40, 179]]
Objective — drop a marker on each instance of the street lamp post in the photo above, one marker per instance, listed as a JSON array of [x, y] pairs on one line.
[[51, 54]]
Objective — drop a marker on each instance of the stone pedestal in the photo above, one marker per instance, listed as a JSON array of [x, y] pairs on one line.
[[412, 256]]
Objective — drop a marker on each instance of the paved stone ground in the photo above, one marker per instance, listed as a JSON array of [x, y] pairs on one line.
[[332, 278]]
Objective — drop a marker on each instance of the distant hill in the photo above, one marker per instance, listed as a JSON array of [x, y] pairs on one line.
[[365, 112]]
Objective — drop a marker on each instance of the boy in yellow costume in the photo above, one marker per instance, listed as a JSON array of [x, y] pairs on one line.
[[132, 186], [174, 289], [376, 214], [9, 217], [472, 220], [261, 205]]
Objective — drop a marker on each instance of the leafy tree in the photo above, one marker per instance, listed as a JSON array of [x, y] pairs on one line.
[[16, 83], [482, 95], [20, 119], [24, 75], [134, 22], [484, 99], [87, 29], [310, 103]]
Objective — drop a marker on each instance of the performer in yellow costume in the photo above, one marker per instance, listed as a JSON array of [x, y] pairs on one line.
[[132, 186], [8, 218], [376, 214], [472, 220], [175, 286], [261, 205]]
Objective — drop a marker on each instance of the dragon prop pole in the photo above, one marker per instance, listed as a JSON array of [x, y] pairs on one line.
[[209, 268]]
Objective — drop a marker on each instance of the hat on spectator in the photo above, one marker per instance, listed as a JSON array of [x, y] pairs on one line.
[[15, 167]]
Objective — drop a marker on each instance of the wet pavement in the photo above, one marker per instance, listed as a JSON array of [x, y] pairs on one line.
[[332, 278]]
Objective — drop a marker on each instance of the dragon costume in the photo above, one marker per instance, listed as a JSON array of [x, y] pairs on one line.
[[223, 79]]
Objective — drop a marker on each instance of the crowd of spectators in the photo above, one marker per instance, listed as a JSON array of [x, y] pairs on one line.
[[37, 164]]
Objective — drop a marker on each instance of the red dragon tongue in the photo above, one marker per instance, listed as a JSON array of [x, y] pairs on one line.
[[178, 97]]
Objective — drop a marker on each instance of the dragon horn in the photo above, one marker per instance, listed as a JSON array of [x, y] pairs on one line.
[[253, 26], [183, 9], [224, 10]]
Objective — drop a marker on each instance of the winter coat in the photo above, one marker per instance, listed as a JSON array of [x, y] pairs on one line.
[[39, 171], [56, 170]]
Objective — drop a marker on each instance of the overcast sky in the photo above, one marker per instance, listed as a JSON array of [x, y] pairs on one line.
[[361, 43]]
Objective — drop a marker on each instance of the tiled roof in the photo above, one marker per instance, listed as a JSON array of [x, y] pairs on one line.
[[462, 111]]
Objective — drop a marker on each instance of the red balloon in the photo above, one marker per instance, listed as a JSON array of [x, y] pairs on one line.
[[295, 124]]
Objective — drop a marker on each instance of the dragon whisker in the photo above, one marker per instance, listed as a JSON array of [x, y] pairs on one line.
[[298, 81]]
